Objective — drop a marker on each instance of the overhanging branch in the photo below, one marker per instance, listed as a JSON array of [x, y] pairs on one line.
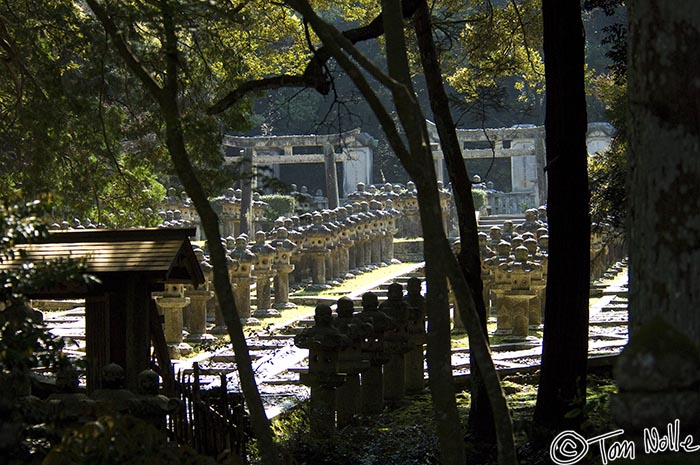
[[313, 76]]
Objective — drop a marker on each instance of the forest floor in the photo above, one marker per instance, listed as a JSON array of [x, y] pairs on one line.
[[406, 435]]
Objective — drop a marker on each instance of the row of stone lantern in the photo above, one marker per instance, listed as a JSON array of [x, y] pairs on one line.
[[514, 273], [405, 200], [333, 244], [358, 363]]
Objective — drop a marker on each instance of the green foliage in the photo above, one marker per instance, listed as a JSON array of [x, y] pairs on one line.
[[278, 205], [607, 174], [77, 125], [607, 171], [502, 45], [24, 341], [479, 198], [119, 440], [65, 128]]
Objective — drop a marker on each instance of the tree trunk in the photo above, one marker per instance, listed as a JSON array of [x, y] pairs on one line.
[[167, 99], [480, 415], [439, 350], [664, 164], [562, 390], [440, 262], [659, 366]]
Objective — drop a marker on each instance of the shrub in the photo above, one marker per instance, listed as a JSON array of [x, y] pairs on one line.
[[479, 198], [278, 205]]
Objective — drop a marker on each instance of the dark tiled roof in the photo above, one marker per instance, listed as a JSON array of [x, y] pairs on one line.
[[165, 253]]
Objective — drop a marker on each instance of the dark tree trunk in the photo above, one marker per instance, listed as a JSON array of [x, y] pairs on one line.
[[167, 99], [664, 219], [562, 390], [480, 414]]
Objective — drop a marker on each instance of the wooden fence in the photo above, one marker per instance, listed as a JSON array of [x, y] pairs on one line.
[[210, 421]]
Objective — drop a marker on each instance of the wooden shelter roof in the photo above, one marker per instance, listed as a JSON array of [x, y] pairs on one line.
[[162, 254]]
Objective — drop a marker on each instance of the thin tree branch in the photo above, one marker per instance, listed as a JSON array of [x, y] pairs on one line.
[[372, 30], [318, 83], [525, 42], [123, 49]]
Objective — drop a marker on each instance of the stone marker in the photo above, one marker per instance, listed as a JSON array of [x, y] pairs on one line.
[[324, 342]]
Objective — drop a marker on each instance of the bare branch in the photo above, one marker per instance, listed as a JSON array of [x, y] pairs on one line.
[[321, 85], [372, 30], [329, 35]]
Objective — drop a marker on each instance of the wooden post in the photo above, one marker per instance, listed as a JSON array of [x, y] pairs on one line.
[[247, 180], [331, 176]]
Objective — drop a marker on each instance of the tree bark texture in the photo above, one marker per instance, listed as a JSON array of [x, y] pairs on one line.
[[562, 390], [664, 175]]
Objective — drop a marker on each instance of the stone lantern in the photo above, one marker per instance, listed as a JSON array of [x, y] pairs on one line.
[[372, 390], [521, 301], [258, 208], [397, 344], [351, 225], [416, 333], [365, 234], [315, 246], [331, 258], [284, 250], [445, 198], [378, 232], [241, 277], [391, 231], [324, 343], [351, 361], [172, 302], [230, 213], [412, 227], [499, 282], [264, 272]]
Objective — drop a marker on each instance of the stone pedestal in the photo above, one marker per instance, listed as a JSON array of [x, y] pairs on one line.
[[318, 269], [516, 308], [329, 264], [377, 258], [197, 315], [281, 284], [263, 295], [172, 304], [501, 284], [241, 294], [360, 255]]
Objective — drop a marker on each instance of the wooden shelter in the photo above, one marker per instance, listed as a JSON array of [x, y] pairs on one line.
[[121, 318]]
